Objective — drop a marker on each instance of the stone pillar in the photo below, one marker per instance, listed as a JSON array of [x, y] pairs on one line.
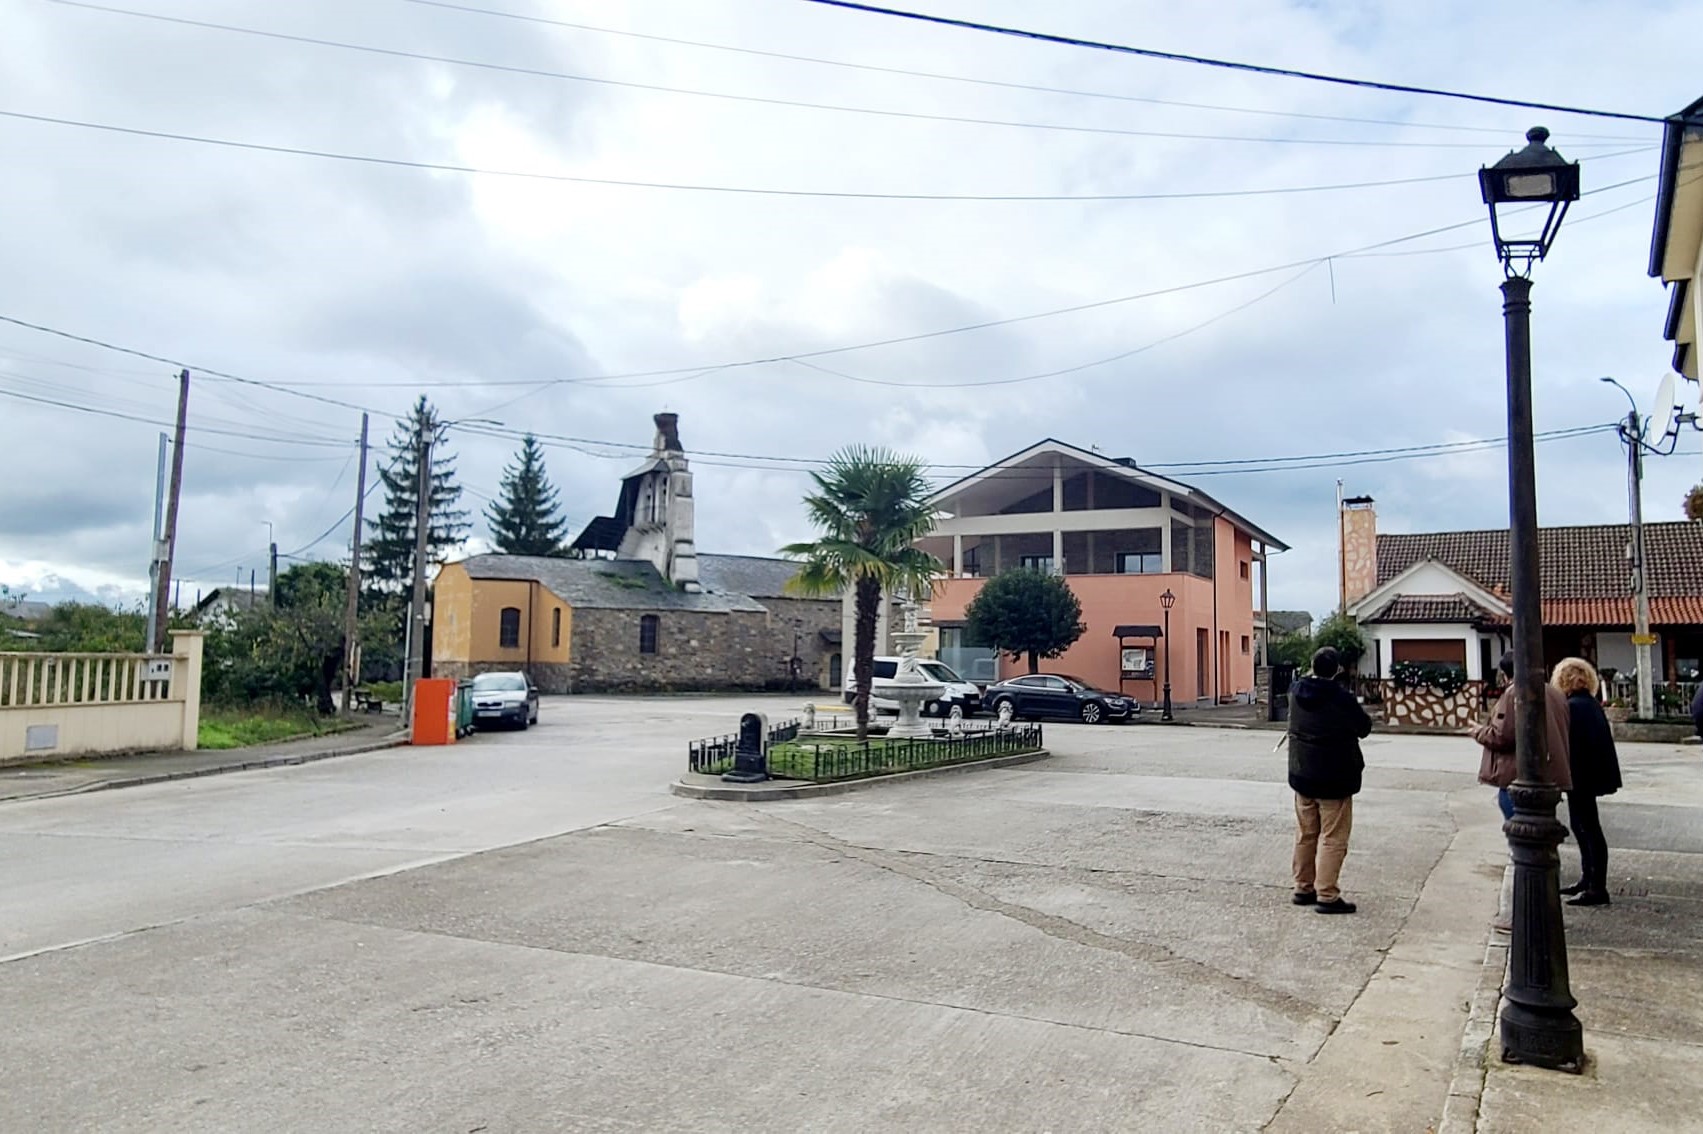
[[186, 647], [957, 556]]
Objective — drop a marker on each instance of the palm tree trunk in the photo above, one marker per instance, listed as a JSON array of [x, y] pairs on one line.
[[868, 599]]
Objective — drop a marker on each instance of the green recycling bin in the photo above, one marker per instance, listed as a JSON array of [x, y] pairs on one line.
[[464, 708]]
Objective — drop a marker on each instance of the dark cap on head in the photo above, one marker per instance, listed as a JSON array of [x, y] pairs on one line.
[[1506, 665], [1326, 663]]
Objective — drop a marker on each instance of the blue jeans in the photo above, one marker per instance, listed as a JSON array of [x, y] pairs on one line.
[[1505, 802]]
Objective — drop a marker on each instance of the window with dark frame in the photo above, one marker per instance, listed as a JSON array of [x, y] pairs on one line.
[[556, 627], [508, 631], [1244, 568], [1247, 644], [647, 633]]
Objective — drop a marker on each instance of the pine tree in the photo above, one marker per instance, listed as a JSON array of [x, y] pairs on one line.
[[390, 551], [527, 520]]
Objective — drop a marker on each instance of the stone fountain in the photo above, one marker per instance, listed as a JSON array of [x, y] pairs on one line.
[[909, 687]]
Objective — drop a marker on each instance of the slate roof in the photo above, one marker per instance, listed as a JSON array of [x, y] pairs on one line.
[[607, 584], [1585, 575], [1429, 608], [754, 575]]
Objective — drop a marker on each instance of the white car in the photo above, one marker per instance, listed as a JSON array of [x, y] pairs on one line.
[[964, 696]]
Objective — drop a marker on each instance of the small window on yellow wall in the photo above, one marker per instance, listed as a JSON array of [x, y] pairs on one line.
[[508, 631], [647, 633], [556, 627]]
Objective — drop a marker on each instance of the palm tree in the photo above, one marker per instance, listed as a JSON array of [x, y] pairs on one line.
[[871, 506]]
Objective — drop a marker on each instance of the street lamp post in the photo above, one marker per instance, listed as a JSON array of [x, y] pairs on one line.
[[1537, 1023], [1167, 601]]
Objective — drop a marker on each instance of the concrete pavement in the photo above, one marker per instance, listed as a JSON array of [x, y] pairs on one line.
[[531, 934]]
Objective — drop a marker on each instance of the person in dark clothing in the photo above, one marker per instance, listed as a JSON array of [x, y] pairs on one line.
[[1596, 772], [1326, 725], [1697, 711]]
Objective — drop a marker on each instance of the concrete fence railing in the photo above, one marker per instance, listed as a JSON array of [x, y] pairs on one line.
[[69, 704]]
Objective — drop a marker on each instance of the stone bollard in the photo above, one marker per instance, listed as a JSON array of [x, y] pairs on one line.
[[810, 718], [751, 755], [1005, 714]]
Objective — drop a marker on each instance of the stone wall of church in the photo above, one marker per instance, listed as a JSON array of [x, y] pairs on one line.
[[695, 652]]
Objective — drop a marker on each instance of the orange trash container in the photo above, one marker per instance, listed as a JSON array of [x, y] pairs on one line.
[[434, 711]]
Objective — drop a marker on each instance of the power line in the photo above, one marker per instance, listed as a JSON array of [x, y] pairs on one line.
[[150, 420], [998, 83], [1255, 68], [298, 389], [738, 190], [533, 72]]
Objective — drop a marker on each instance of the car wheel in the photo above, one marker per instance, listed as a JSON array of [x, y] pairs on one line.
[[1093, 713]]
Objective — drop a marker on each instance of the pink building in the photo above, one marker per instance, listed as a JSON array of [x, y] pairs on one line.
[[1121, 537]]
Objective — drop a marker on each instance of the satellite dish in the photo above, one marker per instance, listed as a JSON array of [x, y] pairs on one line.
[[1664, 415]]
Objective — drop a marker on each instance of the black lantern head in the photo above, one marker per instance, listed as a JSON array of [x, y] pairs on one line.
[[1536, 175], [1167, 600]]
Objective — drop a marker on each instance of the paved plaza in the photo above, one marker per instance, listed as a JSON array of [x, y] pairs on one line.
[[529, 933]]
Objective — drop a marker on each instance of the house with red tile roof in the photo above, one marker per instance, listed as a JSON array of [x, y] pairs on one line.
[[1443, 597]]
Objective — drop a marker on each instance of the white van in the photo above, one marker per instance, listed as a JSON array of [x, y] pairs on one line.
[[965, 696]]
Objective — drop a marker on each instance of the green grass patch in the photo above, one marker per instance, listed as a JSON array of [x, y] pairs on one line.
[[243, 728], [390, 692]]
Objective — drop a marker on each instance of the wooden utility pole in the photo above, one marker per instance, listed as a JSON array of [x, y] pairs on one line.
[[351, 603], [162, 596]]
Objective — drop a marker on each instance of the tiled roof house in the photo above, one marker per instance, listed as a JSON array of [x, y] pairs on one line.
[[1443, 596]]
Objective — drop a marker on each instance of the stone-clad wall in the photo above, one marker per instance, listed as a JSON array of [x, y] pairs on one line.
[[694, 651], [814, 616]]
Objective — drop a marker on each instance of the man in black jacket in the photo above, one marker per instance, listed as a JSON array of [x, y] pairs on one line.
[[1325, 727]]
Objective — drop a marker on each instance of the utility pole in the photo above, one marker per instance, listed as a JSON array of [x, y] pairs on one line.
[[1642, 639], [156, 553], [162, 595], [271, 566], [351, 602], [422, 533]]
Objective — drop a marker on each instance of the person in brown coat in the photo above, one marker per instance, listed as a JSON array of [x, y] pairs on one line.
[[1496, 765]]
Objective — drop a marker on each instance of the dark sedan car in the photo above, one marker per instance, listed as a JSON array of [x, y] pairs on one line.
[[1054, 695]]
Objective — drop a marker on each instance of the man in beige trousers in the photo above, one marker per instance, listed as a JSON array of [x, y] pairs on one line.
[[1326, 725]]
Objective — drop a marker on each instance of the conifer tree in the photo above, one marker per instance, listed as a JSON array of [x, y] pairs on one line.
[[527, 519], [390, 551]]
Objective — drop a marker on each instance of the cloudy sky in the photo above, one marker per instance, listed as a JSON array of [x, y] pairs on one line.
[[354, 285]]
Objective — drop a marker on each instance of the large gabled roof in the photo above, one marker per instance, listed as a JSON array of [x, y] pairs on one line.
[[1117, 466], [1586, 562]]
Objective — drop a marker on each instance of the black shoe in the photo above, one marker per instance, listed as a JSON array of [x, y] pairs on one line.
[[1337, 906], [1590, 898], [1575, 888], [1304, 898]]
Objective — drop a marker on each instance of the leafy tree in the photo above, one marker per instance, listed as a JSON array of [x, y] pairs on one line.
[[1026, 613], [390, 551], [1343, 633], [1694, 503], [871, 506], [527, 520], [89, 628], [292, 652], [1294, 648]]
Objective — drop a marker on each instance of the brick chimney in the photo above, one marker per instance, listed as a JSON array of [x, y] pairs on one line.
[[1358, 548]]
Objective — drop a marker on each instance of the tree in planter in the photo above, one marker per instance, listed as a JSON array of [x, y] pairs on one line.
[[871, 506], [1026, 614], [527, 520], [390, 551]]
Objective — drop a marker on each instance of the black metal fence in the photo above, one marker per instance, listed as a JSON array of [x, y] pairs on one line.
[[824, 760], [715, 755]]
